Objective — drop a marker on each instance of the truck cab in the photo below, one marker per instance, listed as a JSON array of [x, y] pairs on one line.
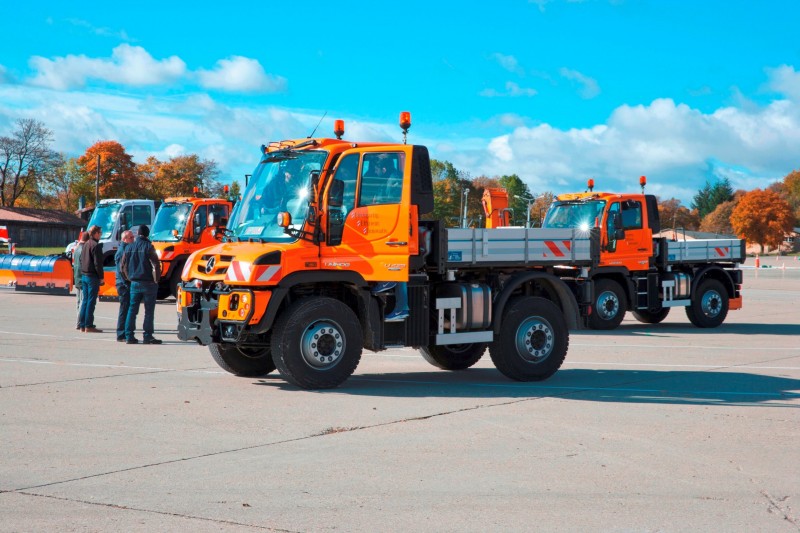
[[183, 225], [116, 215]]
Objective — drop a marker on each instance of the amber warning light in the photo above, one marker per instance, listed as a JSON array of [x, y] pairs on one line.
[[590, 184], [338, 128], [642, 182], [405, 123]]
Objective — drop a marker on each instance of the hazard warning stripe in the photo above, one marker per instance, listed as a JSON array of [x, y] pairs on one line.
[[267, 273], [3, 234], [723, 251], [558, 249], [238, 271]]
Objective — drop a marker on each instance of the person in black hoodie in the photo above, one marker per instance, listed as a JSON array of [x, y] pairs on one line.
[[140, 266], [91, 260]]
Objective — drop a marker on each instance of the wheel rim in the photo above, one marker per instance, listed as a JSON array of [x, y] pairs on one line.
[[711, 304], [607, 305], [535, 339], [322, 344]]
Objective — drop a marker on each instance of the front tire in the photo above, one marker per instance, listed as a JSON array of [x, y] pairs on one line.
[[241, 361], [709, 305], [610, 305], [454, 356], [646, 317], [317, 343], [533, 340]]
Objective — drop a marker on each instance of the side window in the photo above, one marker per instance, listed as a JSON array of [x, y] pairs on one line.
[[346, 173], [382, 178], [126, 217], [219, 211], [631, 214], [200, 219], [141, 215]]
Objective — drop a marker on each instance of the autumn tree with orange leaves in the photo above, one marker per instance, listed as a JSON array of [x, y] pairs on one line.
[[117, 170], [762, 217], [178, 177]]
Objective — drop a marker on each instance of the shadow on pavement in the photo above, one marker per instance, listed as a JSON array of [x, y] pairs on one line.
[[617, 386]]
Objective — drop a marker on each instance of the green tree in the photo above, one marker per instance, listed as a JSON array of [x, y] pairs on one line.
[[519, 197], [711, 195]]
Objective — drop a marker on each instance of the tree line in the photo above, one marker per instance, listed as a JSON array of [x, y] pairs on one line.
[[34, 175]]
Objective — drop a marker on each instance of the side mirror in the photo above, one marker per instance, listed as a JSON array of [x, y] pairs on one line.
[[336, 198], [619, 231], [175, 233], [284, 219]]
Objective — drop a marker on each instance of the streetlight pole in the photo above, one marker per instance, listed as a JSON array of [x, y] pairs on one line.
[[97, 182]]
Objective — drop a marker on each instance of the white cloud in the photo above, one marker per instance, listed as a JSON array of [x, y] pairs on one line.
[[676, 146], [3, 74], [785, 80], [512, 90], [509, 63], [588, 86], [98, 30], [240, 74], [129, 65]]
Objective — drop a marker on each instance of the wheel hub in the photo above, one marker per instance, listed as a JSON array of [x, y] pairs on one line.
[[322, 344], [711, 304], [607, 305], [535, 339]]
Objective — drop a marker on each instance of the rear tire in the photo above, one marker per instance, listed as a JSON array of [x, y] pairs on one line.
[[646, 317], [317, 343], [533, 340], [240, 361], [454, 356], [709, 305], [609, 306]]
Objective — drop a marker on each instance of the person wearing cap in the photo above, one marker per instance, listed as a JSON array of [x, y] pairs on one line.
[[140, 265], [76, 273], [91, 264]]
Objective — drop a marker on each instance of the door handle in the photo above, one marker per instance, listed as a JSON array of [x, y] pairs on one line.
[[396, 243]]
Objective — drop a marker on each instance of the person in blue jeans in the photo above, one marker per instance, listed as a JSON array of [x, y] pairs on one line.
[[140, 265], [123, 285], [91, 261], [400, 311]]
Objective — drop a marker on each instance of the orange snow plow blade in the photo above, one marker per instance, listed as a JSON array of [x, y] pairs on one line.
[[50, 274], [108, 291]]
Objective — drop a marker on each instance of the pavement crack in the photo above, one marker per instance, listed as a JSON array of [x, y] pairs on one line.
[[162, 513], [775, 507]]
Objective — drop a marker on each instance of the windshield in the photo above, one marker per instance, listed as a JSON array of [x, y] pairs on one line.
[[580, 215], [170, 217], [280, 182], [105, 216]]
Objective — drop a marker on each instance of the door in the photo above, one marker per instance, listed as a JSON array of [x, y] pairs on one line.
[[369, 232], [633, 247]]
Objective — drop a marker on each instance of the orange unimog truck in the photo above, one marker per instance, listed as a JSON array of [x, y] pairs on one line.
[[644, 273], [182, 226], [327, 243]]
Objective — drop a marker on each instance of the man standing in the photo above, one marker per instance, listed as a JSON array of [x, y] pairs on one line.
[[91, 262], [141, 266], [123, 285], [76, 273]]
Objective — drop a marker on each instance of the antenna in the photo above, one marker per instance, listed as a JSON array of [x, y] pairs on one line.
[[317, 126]]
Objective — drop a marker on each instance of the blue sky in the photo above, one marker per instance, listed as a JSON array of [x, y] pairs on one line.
[[556, 91]]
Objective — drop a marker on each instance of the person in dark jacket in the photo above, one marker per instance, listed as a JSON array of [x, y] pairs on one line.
[[91, 260], [140, 265], [123, 285]]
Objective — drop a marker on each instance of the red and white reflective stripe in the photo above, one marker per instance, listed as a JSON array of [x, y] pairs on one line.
[[3, 234], [557, 248], [723, 251], [238, 271], [267, 273], [168, 256]]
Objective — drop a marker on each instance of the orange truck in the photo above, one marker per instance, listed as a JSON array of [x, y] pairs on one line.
[[182, 226], [639, 271], [327, 254]]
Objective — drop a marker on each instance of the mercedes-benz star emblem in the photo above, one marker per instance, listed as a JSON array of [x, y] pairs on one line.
[[210, 264]]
